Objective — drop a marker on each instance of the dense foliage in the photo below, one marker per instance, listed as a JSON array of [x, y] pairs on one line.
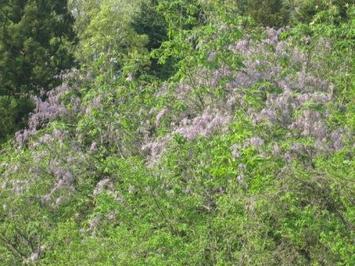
[[192, 134], [35, 46]]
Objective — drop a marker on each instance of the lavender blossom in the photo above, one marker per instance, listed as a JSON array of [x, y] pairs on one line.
[[255, 142], [45, 111], [310, 123], [101, 186], [154, 149], [279, 64], [203, 125]]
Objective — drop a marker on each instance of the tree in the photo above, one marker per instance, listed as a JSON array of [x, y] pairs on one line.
[[150, 22], [107, 38], [35, 44], [13, 112], [36, 37], [272, 13]]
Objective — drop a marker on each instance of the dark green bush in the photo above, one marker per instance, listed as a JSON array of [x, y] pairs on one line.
[[13, 113]]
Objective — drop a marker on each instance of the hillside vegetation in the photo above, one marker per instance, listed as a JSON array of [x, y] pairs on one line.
[[177, 132]]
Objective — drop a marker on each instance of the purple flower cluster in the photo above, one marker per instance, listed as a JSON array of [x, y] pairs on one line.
[[155, 147], [45, 111], [263, 62], [299, 81], [310, 123], [203, 125], [103, 185], [287, 76], [255, 142], [50, 108]]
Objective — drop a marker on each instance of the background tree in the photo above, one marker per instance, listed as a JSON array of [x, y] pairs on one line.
[[150, 22], [36, 40], [35, 44], [272, 13], [107, 38]]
